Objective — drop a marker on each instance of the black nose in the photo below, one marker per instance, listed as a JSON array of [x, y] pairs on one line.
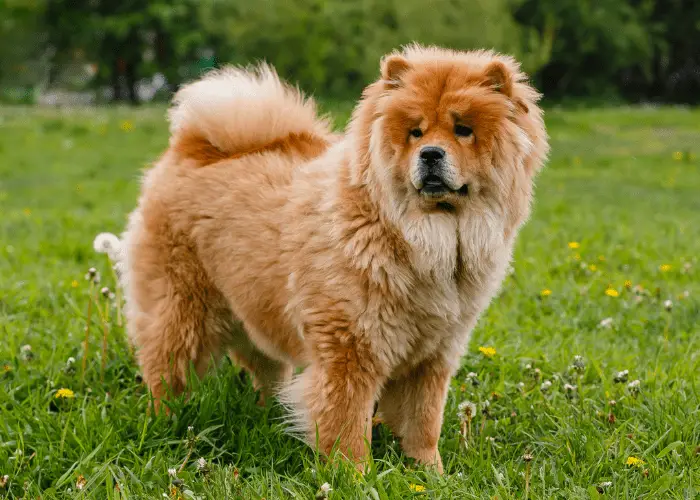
[[431, 155]]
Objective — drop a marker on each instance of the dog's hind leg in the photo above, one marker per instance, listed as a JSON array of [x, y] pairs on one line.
[[269, 374], [175, 316]]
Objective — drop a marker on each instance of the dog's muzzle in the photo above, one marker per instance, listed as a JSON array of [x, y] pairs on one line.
[[434, 176]]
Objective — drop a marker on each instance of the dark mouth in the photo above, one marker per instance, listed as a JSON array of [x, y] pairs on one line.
[[434, 187]]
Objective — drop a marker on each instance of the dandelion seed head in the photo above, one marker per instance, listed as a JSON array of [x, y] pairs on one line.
[[621, 376], [172, 472], [110, 244], [606, 323], [546, 385], [466, 410], [668, 305], [325, 488]]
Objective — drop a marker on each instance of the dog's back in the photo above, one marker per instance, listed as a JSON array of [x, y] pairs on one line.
[[208, 214]]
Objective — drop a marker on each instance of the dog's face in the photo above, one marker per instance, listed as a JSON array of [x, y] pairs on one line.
[[454, 130]]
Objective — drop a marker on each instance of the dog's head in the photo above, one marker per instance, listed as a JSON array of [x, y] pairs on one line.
[[445, 131]]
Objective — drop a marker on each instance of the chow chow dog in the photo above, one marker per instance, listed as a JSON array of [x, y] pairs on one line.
[[364, 257]]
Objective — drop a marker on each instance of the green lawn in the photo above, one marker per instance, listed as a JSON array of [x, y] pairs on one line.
[[622, 188]]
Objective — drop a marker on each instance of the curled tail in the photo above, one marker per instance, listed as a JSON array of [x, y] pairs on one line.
[[233, 112]]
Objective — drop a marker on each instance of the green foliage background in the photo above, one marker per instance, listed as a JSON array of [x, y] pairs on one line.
[[630, 49]]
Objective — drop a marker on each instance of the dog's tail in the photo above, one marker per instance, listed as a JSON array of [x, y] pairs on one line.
[[232, 112]]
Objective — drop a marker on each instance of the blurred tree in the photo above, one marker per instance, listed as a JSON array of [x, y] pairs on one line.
[[127, 38], [334, 46], [593, 43], [21, 43]]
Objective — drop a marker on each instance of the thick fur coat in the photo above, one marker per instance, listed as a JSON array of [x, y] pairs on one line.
[[365, 258]]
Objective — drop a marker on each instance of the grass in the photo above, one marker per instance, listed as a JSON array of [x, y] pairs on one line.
[[622, 187]]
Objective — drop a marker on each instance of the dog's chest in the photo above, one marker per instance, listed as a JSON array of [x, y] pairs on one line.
[[437, 314]]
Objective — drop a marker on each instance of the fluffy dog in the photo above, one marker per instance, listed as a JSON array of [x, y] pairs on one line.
[[365, 258]]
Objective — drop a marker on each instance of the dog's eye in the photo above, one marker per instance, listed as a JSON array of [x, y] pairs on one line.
[[463, 131], [416, 132]]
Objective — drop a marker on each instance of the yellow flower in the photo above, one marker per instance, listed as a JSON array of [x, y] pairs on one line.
[[6, 368], [574, 245], [592, 267], [64, 393], [74, 283], [611, 292], [601, 258], [634, 461], [628, 284], [665, 268], [27, 212], [678, 156], [577, 256], [546, 292], [416, 487], [126, 126], [489, 352]]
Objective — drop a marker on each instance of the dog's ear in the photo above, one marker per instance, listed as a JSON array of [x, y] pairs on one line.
[[393, 68], [501, 79]]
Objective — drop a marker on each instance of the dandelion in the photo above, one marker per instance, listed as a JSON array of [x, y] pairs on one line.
[[110, 244], [473, 378], [64, 393], [579, 363], [25, 353], [574, 245], [74, 283], [635, 462], [593, 268], [6, 368], [172, 472], [466, 410], [603, 486], [202, 465], [326, 488], [546, 385], [634, 386], [570, 389], [628, 284], [546, 292], [668, 305], [80, 483], [606, 323], [611, 292], [4, 480], [677, 155], [664, 268], [126, 126], [621, 377], [416, 487], [489, 352], [27, 212]]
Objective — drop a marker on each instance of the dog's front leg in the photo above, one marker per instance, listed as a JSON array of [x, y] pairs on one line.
[[333, 400], [412, 406]]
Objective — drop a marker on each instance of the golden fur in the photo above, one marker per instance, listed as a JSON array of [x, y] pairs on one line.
[[324, 248]]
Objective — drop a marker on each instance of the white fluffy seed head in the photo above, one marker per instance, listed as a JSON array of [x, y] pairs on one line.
[[110, 244]]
